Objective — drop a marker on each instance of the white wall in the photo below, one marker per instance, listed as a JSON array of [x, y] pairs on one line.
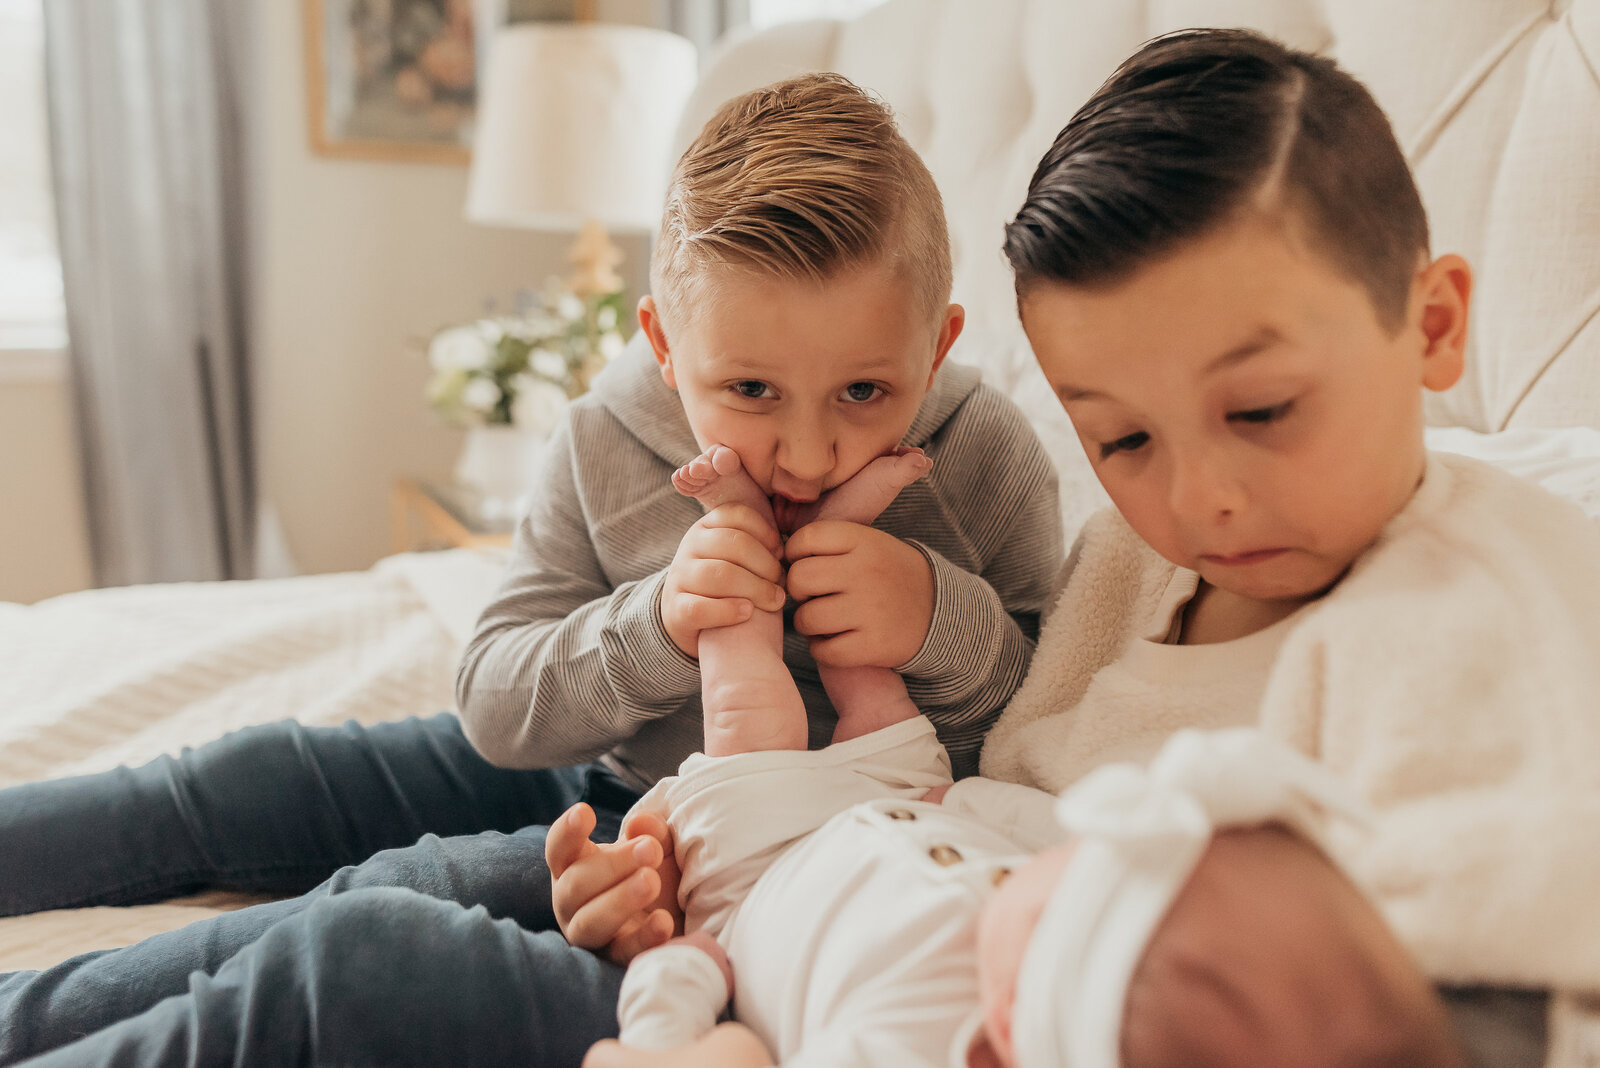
[[356, 264], [43, 550]]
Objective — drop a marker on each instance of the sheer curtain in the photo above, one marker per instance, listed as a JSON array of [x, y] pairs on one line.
[[146, 125]]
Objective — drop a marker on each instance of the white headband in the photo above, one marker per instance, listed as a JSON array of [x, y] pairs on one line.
[[1143, 831]]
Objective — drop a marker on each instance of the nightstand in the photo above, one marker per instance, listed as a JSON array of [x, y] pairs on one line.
[[438, 515]]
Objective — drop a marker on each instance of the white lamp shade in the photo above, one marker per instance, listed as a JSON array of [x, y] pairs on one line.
[[575, 122]]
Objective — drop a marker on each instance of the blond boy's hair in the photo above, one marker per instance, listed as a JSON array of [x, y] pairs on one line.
[[800, 180]]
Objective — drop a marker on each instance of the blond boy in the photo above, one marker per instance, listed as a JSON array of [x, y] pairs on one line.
[[801, 314], [798, 318]]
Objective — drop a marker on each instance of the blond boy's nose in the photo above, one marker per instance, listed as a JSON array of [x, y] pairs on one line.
[[806, 454]]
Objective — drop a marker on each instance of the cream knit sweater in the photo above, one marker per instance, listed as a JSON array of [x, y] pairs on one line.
[[1452, 677]]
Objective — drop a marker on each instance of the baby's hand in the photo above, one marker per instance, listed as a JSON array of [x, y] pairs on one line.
[[866, 597], [725, 564], [621, 898], [728, 1045]]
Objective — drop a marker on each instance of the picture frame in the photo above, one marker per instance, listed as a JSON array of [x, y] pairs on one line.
[[392, 80]]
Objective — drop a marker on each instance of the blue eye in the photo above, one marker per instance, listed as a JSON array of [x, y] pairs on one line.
[[751, 388], [1262, 415], [860, 392], [1126, 443]]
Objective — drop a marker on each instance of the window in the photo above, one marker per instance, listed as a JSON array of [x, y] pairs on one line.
[[32, 315]]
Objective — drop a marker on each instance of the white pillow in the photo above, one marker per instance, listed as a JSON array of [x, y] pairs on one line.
[[1564, 460]]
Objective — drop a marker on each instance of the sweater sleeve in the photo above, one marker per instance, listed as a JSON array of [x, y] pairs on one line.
[[1022, 813], [994, 552], [1452, 679], [1484, 849], [563, 665]]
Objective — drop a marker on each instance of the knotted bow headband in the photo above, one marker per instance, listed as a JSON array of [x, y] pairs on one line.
[[1143, 831]]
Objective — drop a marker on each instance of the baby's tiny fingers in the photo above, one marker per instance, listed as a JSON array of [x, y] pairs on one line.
[[647, 823], [640, 934]]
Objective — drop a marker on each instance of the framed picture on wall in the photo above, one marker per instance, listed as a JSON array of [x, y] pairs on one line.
[[391, 79]]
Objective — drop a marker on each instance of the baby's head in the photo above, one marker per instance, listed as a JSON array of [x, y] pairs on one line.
[[1270, 956], [1222, 266], [800, 283], [1267, 957], [1191, 920]]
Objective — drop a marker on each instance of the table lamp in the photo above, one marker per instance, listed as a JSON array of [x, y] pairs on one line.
[[575, 127]]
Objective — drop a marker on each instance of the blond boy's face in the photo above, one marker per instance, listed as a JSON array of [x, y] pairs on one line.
[[806, 382], [1243, 406]]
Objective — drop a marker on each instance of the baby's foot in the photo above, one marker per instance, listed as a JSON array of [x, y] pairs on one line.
[[716, 477], [870, 490]]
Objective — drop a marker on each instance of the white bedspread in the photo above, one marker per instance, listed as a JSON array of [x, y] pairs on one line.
[[106, 677]]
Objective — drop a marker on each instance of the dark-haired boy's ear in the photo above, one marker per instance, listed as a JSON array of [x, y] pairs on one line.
[[1445, 292], [955, 317], [650, 323]]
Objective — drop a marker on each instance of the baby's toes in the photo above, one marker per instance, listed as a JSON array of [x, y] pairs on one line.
[[913, 465]]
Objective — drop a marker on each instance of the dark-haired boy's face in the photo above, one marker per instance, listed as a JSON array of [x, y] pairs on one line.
[[1244, 407]]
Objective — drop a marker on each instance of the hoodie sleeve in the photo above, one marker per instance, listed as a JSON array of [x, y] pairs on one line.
[[564, 664], [1452, 680], [994, 545]]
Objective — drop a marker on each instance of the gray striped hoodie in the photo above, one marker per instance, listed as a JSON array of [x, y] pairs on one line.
[[570, 661]]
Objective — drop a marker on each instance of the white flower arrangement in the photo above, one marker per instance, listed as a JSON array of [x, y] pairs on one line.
[[521, 370]]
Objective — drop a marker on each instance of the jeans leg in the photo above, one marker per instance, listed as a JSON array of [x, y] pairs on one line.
[[1499, 1027], [45, 1009], [378, 977], [504, 874], [276, 808]]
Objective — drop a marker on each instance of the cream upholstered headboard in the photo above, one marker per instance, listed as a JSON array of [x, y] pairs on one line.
[[1497, 103]]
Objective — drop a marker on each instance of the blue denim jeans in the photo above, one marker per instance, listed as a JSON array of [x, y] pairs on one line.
[[351, 971]]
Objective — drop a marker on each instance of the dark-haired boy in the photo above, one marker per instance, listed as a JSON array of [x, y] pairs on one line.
[[1222, 267]]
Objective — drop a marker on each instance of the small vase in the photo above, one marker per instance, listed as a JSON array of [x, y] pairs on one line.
[[499, 465]]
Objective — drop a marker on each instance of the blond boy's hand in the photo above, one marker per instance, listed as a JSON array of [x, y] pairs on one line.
[[619, 899], [866, 597], [726, 566]]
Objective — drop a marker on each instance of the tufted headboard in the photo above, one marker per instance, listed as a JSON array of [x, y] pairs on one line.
[[1496, 102]]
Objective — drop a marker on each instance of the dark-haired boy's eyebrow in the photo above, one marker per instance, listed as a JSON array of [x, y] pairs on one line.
[[1259, 342]]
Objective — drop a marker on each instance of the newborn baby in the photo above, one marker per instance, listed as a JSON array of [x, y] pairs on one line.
[[859, 909]]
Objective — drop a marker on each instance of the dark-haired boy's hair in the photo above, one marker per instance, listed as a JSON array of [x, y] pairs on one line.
[[1191, 128]]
